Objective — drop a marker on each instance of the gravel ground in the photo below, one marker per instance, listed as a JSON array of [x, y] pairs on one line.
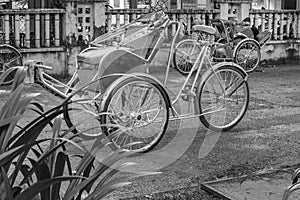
[[267, 137]]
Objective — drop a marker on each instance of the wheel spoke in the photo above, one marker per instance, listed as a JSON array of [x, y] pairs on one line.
[[144, 113]]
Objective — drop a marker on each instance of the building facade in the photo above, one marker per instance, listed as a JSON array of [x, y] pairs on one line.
[[276, 4]]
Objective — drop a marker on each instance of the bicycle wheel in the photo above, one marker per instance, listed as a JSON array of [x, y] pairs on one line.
[[247, 55], [83, 116], [185, 55], [139, 108], [223, 98], [9, 57]]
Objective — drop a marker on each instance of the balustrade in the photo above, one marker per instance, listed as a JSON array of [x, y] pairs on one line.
[[35, 28], [118, 17], [283, 24], [32, 28]]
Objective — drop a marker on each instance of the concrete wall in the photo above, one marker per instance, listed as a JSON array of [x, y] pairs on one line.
[[54, 57], [273, 53], [280, 52]]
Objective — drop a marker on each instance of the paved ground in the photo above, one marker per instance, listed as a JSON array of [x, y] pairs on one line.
[[268, 136]]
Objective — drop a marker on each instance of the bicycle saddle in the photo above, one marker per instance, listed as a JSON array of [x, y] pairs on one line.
[[205, 29]]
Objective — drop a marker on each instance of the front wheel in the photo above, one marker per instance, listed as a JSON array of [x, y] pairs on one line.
[[136, 114], [223, 98], [185, 55], [247, 55]]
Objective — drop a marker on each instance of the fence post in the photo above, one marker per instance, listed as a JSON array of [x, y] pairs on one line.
[[47, 30], [6, 28], [17, 30], [27, 30], [37, 30]]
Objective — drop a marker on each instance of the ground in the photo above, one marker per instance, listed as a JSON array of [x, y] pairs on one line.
[[267, 137]]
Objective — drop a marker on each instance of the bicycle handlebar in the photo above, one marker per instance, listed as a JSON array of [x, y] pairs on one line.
[[43, 66]]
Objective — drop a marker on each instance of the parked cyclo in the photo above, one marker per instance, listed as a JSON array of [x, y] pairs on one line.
[[238, 42], [130, 105]]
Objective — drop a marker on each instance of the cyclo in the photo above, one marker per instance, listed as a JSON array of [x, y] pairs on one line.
[[238, 42], [132, 106]]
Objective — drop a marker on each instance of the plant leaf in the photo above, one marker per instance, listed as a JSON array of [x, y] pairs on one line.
[[61, 161], [39, 186], [6, 182], [42, 172]]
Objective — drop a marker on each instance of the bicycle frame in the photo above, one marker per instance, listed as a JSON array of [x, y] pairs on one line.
[[204, 59], [36, 70]]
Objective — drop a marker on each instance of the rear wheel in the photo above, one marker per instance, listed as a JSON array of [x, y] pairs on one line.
[[137, 114], [223, 98], [247, 55], [185, 56], [9, 57]]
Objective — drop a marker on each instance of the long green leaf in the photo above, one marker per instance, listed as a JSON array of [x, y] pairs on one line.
[[113, 172], [14, 98], [20, 109], [19, 77], [55, 130], [42, 172], [5, 74], [22, 157], [87, 159], [31, 134], [8, 191], [9, 155], [61, 161], [46, 155], [39, 186], [109, 161], [25, 172], [17, 191], [56, 109]]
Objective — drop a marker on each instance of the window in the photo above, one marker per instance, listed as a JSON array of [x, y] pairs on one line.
[[289, 4], [88, 20], [117, 3], [79, 10], [87, 11]]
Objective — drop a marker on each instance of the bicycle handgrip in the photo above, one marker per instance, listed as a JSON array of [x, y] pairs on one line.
[[44, 67]]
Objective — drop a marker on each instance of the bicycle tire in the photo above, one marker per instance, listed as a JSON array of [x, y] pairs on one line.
[[211, 85], [81, 116], [140, 135], [247, 55], [190, 50], [9, 57]]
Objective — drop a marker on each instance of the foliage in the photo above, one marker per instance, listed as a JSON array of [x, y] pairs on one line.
[[34, 168]]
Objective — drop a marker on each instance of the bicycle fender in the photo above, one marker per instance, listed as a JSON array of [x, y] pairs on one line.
[[246, 39], [245, 74], [137, 75], [183, 41]]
